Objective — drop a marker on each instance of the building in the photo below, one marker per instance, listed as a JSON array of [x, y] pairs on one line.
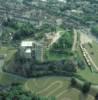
[[26, 48], [35, 50], [32, 50], [39, 52]]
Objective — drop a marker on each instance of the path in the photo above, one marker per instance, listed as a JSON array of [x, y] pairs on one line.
[[60, 84], [75, 40], [56, 38], [50, 86], [84, 38], [1, 64], [91, 60], [60, 94]]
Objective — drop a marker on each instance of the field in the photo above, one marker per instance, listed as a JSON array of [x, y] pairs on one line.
[[54, 57], [58, 87], [93, 51], [8, 52], [6, 78], [88, 75]]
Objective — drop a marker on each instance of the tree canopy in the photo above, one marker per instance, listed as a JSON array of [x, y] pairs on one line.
[[95, 30]]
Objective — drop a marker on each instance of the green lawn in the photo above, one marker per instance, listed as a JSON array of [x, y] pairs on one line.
[[6, 78], [93, 50], [8, 52], [86, 73], [57, 87], [55, 57]]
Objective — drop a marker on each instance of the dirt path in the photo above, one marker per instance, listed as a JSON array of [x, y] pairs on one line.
[[56, 38], [60, 94], [91, 60], [60, 84], [84, 38], [75, 40]]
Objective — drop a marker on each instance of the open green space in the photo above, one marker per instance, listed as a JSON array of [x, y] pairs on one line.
[[61, 49], [58, 87], [93, 51], [8, 52], [55, 56], [86, 73], [6, 78]]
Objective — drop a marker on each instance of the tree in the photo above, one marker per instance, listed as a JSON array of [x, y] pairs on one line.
[[81, 64], [95, 30], [96, 96], [70, 66], [86, 87], [73, 82], [24, 31], [65, 42], [51, 68]]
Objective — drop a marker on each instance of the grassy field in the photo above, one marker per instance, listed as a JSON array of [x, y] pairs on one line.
[[58, 87], [6, 78], [55, 57], [8, 52], [93, 51], [86, 73]]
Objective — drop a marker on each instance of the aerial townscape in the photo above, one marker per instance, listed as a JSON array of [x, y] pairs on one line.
[[48, 49]]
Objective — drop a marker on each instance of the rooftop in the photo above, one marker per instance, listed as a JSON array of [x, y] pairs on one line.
[[27, 43], [28, 50]]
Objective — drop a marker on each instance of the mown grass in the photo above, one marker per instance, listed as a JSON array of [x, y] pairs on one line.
[[86, 73], [8, 52], [61, 92], [55, 57], [93, 51], [6, 78]]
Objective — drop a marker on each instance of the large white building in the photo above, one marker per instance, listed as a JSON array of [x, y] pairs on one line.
[[32, 50]]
